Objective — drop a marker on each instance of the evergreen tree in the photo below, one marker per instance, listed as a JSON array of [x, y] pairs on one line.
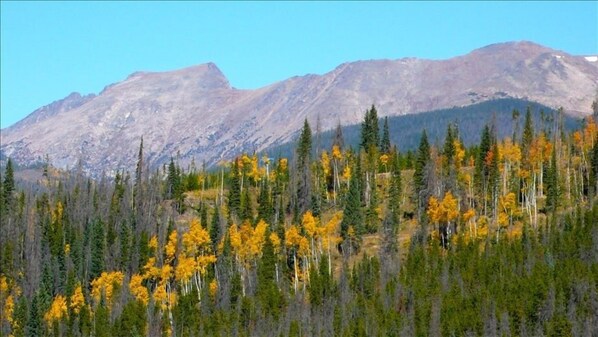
[[369, 130], [265, 207], [97, 249], [594, 169], [352, 216], [449, 147], [303, 196], [528, 132], [481, 168], [394, 197], [35, 326], [385, 142], [8, 184], [552, 184], [234, 192], [215, 228], [421, 163], [203, 215], [267, 291], [246, 205]]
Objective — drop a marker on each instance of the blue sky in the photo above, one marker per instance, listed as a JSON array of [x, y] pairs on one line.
[[49, 50]]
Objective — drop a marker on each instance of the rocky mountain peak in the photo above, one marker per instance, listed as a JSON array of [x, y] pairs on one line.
[[195, 112]]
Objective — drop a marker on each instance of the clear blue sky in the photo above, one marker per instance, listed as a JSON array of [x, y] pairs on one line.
[[49, 50]]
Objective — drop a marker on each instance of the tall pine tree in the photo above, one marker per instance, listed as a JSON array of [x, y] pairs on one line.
[[385, 141], [304, 147], [421, 163]]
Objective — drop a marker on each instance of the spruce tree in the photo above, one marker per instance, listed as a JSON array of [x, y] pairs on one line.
[[369, 130], [481, 168], [203, 215], [552, 184], [234, 192], [449, 146], [97, 249], [267, 291], [421, 162], [8, 184], [265, 207], [246, 205], [385, 142], [528, 132], [303, 195], [394, 197], [352, 215], [215, 228], [34, 322], [594, 169]]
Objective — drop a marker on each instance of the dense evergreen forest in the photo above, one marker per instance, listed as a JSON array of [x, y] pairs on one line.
[[499, 238]]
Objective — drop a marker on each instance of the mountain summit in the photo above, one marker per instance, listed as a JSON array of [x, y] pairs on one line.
[[194, 113]]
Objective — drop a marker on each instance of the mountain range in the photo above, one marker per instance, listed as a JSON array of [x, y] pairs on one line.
[[195, 114]]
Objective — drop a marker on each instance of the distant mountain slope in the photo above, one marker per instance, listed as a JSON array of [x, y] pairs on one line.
[[195, 113], [406, 130]]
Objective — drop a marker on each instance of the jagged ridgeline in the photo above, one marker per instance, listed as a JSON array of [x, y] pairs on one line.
[[493, 238]]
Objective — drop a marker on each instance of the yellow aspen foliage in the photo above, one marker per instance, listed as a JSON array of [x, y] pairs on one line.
[[330, 238], [254, 172], [258, 237], [57, 311], [153, 243], [196, 238], [67, 249], [235, 237], [384, 159], [510, 152], [166, 272], [508, 202], [434, 211], [184, 269], [202, 263], [347, 173], [150, 269], [161, 296], [213, 288], [450, 207], [503, 219], [3, 285], [468, 215], [171, 247], [310, 224], [304, 246], [77, 299], [275, 242], [444, 211], [8, 309], [137, 289], [105, 284], [292, 236], [336, 153], [283, 164]]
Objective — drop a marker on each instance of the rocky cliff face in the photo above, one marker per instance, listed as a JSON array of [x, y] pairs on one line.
[[196, 114]]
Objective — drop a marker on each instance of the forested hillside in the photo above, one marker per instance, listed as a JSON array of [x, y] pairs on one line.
[[405, 131], [499, 238]]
